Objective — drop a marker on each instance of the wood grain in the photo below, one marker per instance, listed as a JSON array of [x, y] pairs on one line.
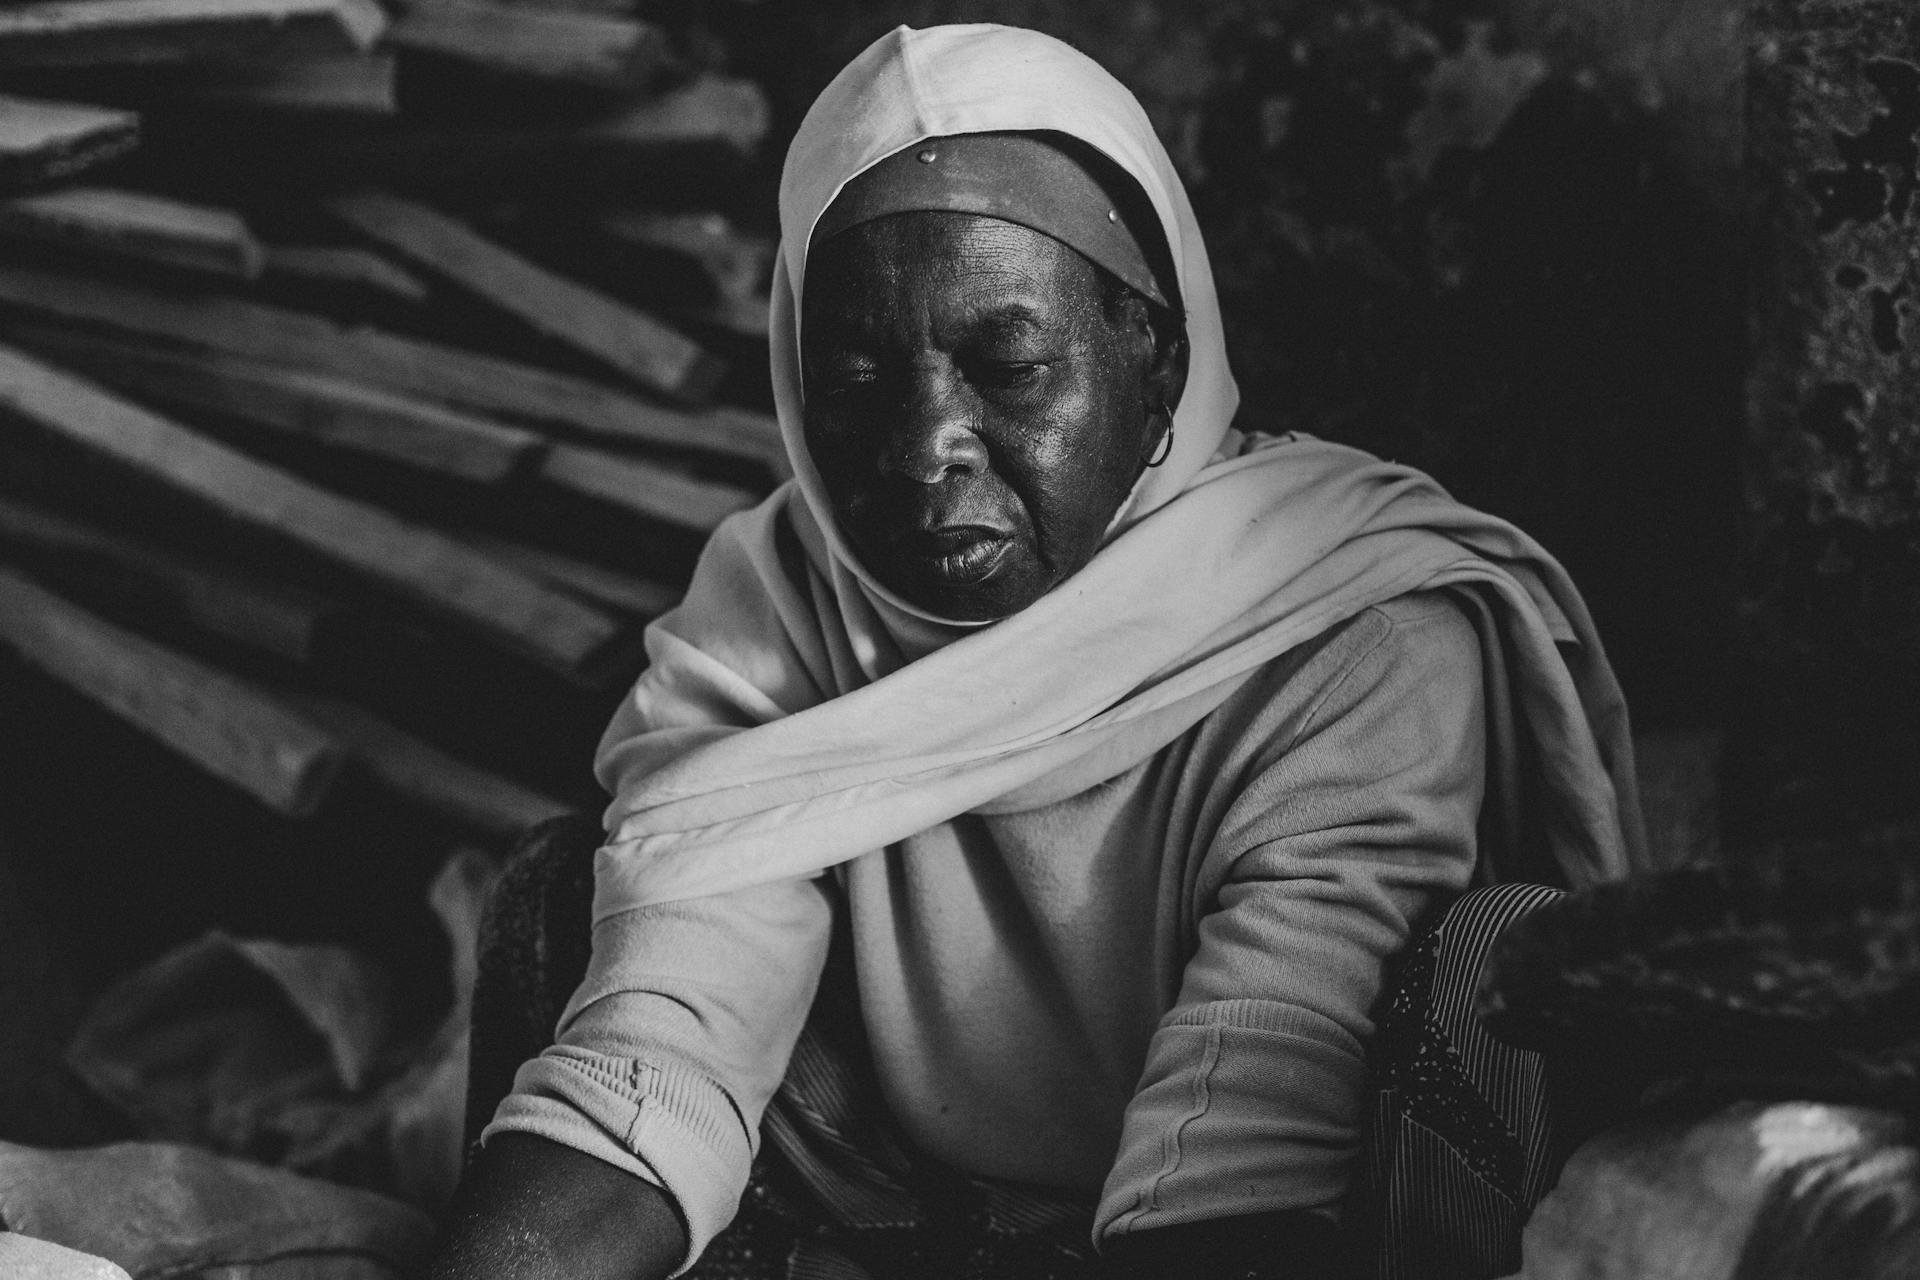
[[134, 224], [346, 85], [643, 488], [327, 410], [597, 51], [345, 268], [270, 617], [623, 591], [228, 727], [625, 340], [90, 33], [434, 370], [415, 562], [44, 142], [424, 774]]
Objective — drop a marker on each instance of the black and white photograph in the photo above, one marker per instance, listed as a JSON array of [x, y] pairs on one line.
[[959, 639]]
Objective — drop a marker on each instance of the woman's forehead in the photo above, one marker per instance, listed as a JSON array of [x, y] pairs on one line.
[[988, 270]]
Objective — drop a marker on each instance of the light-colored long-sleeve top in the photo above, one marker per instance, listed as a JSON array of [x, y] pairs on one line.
[[1157, 990]]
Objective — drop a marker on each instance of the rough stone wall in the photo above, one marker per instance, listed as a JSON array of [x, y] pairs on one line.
[[1828, 729]]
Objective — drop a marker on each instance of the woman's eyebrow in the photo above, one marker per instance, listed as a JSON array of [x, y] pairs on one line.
[[1010, 320]]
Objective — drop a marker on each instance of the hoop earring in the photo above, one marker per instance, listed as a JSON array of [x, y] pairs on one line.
[[1164, 449]]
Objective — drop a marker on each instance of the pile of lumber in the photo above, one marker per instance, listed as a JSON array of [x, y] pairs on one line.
[[371, 372]]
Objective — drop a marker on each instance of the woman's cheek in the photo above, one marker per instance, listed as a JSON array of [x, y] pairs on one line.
[[1073, 469]]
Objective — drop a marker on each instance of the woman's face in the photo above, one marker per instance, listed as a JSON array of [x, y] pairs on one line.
[[975, 408]]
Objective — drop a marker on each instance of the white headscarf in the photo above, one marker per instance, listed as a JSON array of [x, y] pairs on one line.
[[798, 714]]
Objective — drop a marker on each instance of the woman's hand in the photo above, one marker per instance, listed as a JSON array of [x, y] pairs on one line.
[[532, 1208]]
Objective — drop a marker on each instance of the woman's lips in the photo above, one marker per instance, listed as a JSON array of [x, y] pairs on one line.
[[961, 554]]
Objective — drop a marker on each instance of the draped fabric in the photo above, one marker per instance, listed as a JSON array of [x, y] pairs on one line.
[[796, 714]]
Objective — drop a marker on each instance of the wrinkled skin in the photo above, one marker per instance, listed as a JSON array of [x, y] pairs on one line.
[[978, 406]]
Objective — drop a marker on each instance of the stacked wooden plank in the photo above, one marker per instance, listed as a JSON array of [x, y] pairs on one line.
[[47, 141], [602, 52], [89, 33], [324, 319]]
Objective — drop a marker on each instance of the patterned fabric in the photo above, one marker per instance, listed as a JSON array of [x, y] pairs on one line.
[[1460, 1147]]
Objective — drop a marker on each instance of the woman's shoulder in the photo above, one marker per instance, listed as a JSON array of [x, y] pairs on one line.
[[1421, 645], [1428, 631]]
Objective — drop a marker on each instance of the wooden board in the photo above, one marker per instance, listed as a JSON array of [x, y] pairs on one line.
[[737, 265], [43, 142], [625, 592], [712, 108], [697, 139], [553, 45], [533, 394], [750, 433], [228, 727], [643, 488], [270, 617], [135, 224], [628, 341], [347, 85], [319, 407], [744, 317], [432, 370], [414, 562], [91, 33], [427, 776], [736, 268], [587, 6], [345, 268]]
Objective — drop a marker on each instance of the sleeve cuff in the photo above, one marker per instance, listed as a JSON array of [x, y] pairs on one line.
[[663, 1122], [1248, 1106]]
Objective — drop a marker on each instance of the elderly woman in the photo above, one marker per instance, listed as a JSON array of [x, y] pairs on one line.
[[1027, 799]]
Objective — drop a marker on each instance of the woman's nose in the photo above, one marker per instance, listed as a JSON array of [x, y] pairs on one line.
[[934, 435]]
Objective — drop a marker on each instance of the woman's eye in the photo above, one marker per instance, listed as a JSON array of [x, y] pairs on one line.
[[847, 382], [1007, 373]]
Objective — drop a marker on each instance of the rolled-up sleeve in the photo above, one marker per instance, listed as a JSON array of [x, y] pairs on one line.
[[1252, 1094], [673, 1045]]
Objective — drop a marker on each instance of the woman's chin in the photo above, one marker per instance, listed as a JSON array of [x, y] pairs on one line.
[[973, 586]]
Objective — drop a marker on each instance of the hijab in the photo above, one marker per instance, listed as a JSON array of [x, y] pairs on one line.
[[796, 713]]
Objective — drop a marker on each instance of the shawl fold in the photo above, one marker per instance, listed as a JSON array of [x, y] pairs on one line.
[[796, 714]]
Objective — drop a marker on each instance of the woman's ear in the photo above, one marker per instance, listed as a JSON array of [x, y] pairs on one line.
[[1161, 346], [1165, 376]]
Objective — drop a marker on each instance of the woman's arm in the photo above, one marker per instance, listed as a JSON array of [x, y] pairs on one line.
[[624, 1147], [1252, 1098], [531, 1209]]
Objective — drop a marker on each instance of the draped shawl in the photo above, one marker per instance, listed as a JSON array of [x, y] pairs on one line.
[[797, 714]]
